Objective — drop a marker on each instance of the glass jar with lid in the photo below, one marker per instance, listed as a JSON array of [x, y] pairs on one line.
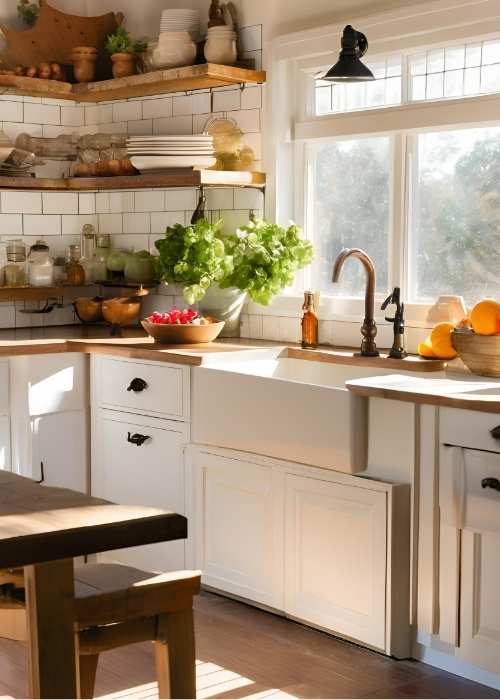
[[40, 265], [102, 251], [75, 274], [15, 270]]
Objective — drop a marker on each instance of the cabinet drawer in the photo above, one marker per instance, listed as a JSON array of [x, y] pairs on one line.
[[469, 429], [146, 471], [138, 387]]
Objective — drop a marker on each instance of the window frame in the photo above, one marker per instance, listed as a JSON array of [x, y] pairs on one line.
[[297, 58]]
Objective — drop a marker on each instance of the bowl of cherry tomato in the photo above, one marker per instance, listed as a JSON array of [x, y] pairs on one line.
[[182, 326]]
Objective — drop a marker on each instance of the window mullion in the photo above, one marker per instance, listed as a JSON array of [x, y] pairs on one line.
[[397, 211]]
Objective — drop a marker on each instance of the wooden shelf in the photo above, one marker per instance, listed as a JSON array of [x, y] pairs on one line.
[[35, 293], [199, 77], [181, 177]]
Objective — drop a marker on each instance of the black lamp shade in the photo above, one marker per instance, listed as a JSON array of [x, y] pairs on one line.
[[349, 68]]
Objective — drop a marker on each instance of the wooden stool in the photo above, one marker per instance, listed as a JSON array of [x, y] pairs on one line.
[[118, 605]]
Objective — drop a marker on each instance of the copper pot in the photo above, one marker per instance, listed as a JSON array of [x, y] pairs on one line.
[[88, 310], [122, 311]]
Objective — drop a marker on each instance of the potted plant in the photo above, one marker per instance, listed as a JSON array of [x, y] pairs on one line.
[[123, 51], [259, 260], [193, 256]]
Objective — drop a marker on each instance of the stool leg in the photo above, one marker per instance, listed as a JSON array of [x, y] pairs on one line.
[[88, 670], [175, 655]]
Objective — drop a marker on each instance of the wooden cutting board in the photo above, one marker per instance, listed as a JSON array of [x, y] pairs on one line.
[[56, 34]]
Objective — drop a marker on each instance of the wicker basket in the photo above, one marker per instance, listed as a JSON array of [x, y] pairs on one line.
[[480, 353]]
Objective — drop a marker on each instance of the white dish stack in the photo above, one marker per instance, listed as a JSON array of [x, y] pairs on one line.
[[155, 154], [181, 21]]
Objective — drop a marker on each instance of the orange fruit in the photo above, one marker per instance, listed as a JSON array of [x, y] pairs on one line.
[[440, 341], [485, 317], [425, 349]]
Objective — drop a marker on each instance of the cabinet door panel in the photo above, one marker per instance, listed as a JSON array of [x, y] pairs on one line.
[[480, 600], [149, 475], [5, 462], [238, 528], [59, 441], [335, 557]]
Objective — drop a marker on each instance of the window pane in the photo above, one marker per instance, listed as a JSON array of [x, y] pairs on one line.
[[350, 200], [456, 228], [439, 73], [384, 91]]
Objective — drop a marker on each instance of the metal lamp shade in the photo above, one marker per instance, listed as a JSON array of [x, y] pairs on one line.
[[349, 68]]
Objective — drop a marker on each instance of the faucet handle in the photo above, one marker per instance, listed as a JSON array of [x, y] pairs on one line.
[[394, 298]]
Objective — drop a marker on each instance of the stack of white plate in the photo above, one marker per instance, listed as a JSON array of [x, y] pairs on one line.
[[158, 153], [181, 21]]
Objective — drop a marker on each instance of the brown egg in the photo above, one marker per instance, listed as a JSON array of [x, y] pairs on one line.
[[57, 72], [44, 71], [20, 70], [32, 72]]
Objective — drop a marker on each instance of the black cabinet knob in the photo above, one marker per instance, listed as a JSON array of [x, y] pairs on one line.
[[137, 439], [491, 483], [495, 433], [137, 385]]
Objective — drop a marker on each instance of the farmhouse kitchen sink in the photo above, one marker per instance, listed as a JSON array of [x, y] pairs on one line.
[[267, 403]]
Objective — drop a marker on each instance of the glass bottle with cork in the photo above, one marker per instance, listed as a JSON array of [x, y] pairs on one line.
[[309, 322]]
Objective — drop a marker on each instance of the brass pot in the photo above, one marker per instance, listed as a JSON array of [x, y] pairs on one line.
[[88, 310], [122, 311]]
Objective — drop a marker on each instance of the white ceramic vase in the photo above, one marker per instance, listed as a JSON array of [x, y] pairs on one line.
[[174, 49], [220, 46], [224, 305]]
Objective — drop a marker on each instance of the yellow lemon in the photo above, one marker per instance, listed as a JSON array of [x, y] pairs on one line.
[[425, 349]]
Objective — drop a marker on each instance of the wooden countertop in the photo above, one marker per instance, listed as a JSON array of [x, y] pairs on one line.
[[455, 391]]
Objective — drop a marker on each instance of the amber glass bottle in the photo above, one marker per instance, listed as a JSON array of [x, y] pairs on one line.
[[309, 322]]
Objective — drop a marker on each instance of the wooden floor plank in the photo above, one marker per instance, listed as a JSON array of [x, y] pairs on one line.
[[246, 653]]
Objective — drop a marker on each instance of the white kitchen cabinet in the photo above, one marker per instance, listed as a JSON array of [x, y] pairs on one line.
[[5, 457], [238, 530], [149, 473], [5, 461], [336, 557], [328, 549], [60, 450]]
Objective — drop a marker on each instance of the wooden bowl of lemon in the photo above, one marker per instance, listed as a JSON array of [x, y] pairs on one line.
[[479, 345]]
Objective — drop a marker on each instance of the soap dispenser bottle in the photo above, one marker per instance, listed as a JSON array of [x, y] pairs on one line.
[[309, 322]]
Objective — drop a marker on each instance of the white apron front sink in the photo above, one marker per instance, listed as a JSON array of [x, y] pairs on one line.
[[266, 403]]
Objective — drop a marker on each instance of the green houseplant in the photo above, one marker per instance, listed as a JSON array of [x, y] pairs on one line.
[[123, 51], [218, 272]]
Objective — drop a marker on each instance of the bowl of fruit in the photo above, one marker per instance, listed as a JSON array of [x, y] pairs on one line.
[[184, 327]]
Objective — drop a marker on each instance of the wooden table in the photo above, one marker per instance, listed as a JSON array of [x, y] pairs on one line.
[[42, 529]]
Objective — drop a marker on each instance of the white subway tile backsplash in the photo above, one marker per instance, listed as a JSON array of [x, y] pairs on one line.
[[255, 143], [13, 129], [42, 114], [102, 203], [173, 125], [220, 198], [251, 97], [41, 225], [86, 203], [182, 104], [154, 109], [51, 131], [72, 224], [11, 225], [200, 121], [121, 202], [248, 199], [247, 119], [227, 100], [60, 202], [234, 219], [136, 223], [14, 202], [127, 111], [161, 220], [149, 201], [110, 223], [12, 111], [128, 241], [175, 200], [201, 102], [72, 116], [140, 127], [99, 114], [113, 128]]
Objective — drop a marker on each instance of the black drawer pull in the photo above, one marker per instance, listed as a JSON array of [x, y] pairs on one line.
[[495, 433], [137, 385], [137, 439], [42, 474], [491, 483]]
